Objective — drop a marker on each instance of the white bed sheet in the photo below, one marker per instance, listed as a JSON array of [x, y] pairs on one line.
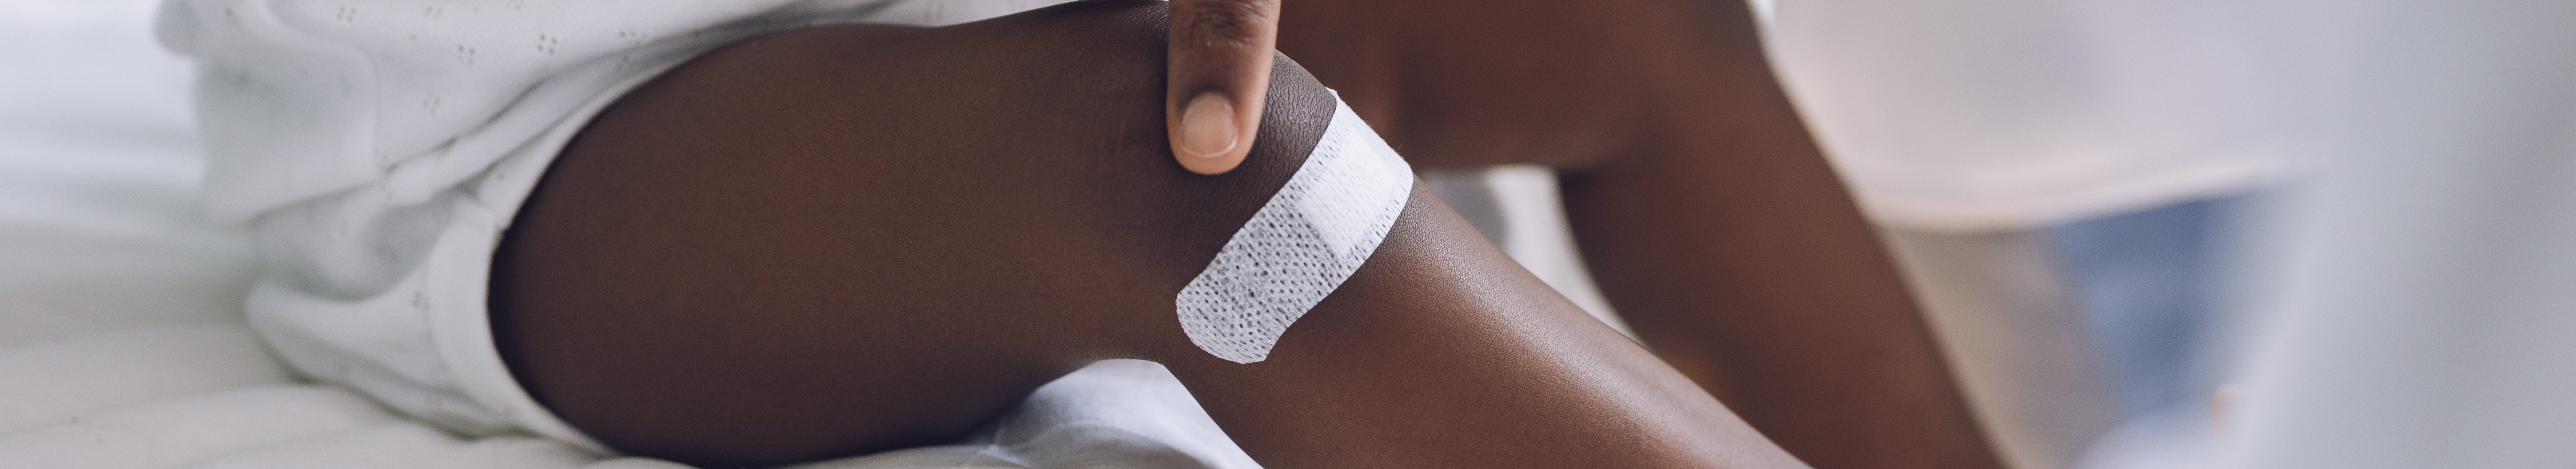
[[121, 337]]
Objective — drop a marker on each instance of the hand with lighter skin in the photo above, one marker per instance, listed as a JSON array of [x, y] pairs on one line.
[[1220, 69]]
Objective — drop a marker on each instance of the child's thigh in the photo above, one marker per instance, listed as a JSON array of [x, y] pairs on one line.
[[852, 238]]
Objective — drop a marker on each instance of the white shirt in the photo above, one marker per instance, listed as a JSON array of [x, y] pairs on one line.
[[1981, 115]]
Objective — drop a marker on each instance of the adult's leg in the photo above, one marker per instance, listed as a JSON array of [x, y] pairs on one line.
[[846, 239], [1708, 216]]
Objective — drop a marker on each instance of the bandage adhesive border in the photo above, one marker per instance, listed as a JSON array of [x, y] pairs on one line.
[[1301, 245]]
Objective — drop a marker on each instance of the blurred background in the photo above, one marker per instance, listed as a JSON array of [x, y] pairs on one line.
[[2359, 217]]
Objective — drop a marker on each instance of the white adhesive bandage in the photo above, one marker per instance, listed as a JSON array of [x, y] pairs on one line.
[[1302, 244]]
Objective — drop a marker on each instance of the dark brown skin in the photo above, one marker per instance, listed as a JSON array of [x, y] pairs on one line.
[[1705, 211], [673, 283], [847, 239]]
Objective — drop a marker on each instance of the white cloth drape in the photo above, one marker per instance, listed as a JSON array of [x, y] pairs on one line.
[[1993, 115], [2426, 287]]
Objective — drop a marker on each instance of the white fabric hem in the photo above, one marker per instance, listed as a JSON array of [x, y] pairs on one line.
[[1991, 215], [460, 274], [459, 271]]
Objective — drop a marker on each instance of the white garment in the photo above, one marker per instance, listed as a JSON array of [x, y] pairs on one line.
[[378, 148], [2421, 285], [1989, 115]]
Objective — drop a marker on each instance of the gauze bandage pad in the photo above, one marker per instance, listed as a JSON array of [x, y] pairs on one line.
[[1302, 244]]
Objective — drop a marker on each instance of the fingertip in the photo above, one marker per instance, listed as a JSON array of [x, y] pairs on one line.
[[1209, 137], [1220, 57]]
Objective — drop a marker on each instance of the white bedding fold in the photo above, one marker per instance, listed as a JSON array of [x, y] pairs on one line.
[[56, 381], [180, 432]]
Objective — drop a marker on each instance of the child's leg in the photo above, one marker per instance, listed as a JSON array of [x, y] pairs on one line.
[[846, 239]]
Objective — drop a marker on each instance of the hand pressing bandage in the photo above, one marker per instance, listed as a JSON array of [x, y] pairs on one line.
[[1300, 246]]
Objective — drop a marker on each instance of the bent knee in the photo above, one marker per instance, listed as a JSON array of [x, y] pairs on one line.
[[944, 218]]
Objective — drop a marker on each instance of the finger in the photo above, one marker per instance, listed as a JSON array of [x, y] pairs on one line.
[[1219, 75]]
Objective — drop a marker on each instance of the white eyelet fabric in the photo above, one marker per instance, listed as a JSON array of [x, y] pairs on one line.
[[377, 149], [1300, 246]]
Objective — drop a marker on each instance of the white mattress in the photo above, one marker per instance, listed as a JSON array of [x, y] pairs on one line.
[[121, 337]]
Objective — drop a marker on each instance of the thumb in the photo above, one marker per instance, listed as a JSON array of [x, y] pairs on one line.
[[1219, 75]]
